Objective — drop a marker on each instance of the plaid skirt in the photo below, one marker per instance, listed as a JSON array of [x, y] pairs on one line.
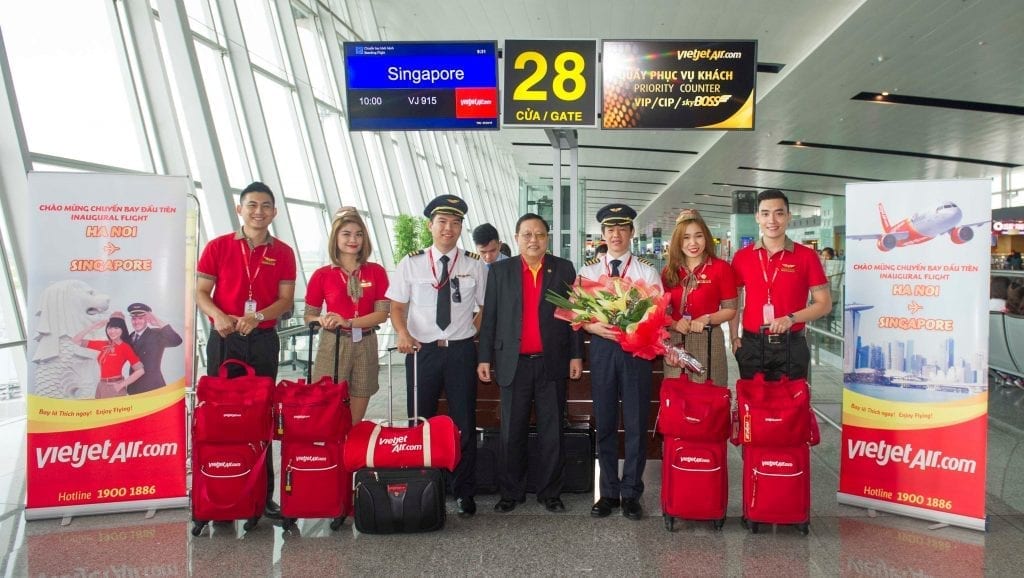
[[697, 345], [357, 363]]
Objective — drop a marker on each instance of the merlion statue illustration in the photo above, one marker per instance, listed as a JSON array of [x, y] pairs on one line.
[[63, 369]]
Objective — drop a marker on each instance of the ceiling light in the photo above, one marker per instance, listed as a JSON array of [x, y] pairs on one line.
[[884, 93]]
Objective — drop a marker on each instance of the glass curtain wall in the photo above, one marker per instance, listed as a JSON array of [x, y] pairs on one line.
[[226, 92]]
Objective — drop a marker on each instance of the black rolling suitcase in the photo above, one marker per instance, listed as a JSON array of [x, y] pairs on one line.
[[399, 500]]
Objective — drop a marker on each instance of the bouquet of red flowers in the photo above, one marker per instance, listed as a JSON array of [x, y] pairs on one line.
[[634, 308]]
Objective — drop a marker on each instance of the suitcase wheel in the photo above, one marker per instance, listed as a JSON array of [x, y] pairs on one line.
[[250, 523], [718, 523], [288, 524], [743, 522], [337, 522], [754, 527], [670, 523], [197, 527], [804, 528]]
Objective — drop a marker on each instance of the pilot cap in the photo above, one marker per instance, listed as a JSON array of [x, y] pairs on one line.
[[616, 214], [138, 309], [446, 205]]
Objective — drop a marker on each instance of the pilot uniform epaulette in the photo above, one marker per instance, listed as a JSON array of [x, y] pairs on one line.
[[472, 255], [593, 261], [414, 253], [645, 261]]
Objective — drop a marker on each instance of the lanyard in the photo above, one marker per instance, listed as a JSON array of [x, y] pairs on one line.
[[622, 273], [764, 271], [345, 282], [438, 283], [687, 291], [247, 258]]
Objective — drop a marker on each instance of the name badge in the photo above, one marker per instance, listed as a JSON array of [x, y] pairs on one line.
[[250, 306], [768, 313], [357, 334]]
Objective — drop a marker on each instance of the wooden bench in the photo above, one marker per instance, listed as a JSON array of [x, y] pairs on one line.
[[580, 405]]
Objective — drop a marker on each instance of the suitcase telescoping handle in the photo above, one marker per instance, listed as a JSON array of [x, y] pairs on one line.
[[313, 327], [415, 386], [764, 346]]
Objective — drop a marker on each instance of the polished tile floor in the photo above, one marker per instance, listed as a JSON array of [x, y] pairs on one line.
[[843, 541]]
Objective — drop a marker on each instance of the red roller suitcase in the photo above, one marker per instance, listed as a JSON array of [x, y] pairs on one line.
[[229, 482], [694, 481], [776, 427], [312, 420], [231, 431], [313, 483], [777, 486], [694, 419]]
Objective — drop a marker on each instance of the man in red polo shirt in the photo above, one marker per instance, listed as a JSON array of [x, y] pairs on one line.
[[775, 277], [532, 354], [246, 281]]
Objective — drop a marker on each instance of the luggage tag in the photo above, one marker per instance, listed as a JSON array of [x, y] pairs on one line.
[[357, 334], [768, 313]]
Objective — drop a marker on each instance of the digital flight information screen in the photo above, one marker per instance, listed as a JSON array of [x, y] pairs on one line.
[[421, 85]]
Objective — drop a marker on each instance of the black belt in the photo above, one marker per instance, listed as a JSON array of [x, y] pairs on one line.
[[774, 338], [531, 355], [348, 332], [447, 342]]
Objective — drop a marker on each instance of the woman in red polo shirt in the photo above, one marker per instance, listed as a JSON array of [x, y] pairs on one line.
[[353, 290], [114, 353], [703, 290]]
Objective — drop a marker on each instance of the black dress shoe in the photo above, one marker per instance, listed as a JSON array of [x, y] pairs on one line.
[[506, 505], [553, 504], [272, 510], [467, 506], [631, 508], [603, 507]]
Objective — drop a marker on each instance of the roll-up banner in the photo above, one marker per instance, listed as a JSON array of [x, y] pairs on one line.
[[107, 350], [915, 364]]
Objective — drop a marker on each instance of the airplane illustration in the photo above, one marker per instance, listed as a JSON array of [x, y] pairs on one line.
[[922, 227]]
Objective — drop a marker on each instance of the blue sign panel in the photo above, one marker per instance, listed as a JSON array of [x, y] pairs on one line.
[[421, 85]]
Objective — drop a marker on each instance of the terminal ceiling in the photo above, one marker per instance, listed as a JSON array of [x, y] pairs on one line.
[[965, 54]]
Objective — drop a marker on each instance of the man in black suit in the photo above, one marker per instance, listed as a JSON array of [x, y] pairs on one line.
[[531, 354], [149, 338]]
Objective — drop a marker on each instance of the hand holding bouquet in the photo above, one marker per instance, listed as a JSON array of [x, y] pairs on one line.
[[634, 309]]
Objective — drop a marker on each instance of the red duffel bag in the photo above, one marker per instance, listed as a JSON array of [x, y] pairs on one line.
[[773, 413], [312, 412], [431, 443], [694, 411], [233, 409]]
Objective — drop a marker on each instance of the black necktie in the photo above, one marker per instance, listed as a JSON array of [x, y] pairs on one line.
[[444, 296], [615, 267]]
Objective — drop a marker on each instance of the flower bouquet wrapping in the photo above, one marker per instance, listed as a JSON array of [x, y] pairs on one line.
[[635, 309]]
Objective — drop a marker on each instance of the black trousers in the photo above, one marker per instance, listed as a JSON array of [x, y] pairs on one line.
[[531, 388], [615, 375], [261, 350], [773, 355], [452, 370]]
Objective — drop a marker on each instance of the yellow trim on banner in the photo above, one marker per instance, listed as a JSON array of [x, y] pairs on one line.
[[861, 410], [742, 118], [47, 414]]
